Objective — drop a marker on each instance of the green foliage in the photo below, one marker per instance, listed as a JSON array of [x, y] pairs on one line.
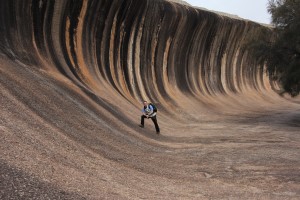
[[280, 49]]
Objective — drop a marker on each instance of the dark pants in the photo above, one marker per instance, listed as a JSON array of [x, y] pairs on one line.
[[153, 119]]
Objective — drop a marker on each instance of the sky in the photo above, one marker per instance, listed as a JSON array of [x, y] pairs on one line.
[[254, 10]]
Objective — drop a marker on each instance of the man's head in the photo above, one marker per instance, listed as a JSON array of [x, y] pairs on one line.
[[145, 103]]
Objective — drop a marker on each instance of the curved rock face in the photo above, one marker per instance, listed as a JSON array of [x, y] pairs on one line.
[[142, 49], [74, 74]]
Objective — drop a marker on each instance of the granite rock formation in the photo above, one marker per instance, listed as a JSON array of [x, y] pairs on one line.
[[72, 78]]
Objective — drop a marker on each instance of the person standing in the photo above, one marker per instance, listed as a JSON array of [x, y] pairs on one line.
[[148, 112]]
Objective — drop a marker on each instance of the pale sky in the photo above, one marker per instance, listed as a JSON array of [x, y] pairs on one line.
[[254, 10]]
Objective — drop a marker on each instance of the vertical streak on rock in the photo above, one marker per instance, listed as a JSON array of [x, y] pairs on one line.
[[104, 34], [112, 53], [130, 57], [78, 46], [56, 35], [137, 60], [133, 54], [68, 39], [165, 76]]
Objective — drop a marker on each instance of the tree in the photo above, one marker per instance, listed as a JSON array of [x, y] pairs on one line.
[[281, 51]]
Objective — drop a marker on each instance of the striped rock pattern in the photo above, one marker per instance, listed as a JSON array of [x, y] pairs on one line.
[[73, 74]]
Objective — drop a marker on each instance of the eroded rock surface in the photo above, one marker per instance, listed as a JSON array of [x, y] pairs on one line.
[[72, 78]]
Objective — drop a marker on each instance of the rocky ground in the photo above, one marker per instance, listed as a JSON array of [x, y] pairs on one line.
[[58, 144]]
